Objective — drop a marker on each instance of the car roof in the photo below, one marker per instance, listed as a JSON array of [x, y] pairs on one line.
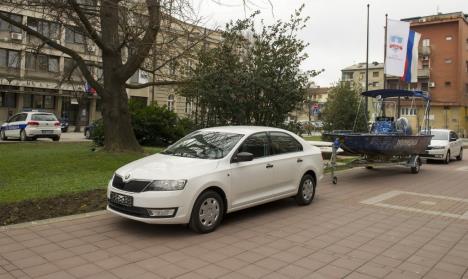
[[243, 129]]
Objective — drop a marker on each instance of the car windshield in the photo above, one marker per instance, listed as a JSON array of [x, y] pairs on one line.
[[43, 117], [204, 145], [439, 135]]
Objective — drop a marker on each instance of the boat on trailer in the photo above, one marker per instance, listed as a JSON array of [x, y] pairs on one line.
[[389, 141]]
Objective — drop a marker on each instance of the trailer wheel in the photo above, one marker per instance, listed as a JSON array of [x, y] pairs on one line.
[[415, 169], [335, 180]]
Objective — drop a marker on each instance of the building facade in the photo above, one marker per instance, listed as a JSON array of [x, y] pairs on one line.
[[442, 71], [35, 76]]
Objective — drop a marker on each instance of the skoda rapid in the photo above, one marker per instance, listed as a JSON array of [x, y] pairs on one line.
[[215, 171]]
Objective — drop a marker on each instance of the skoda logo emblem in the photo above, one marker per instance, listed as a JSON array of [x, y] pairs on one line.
[[127, 176]]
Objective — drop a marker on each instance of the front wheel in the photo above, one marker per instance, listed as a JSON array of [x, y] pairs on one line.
[[460, 156], [447, 158], [306, 192], [207, 212]]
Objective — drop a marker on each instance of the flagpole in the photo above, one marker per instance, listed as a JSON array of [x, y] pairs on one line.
[[367, 62], [385, 61]]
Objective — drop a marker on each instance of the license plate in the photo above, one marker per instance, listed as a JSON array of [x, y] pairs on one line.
[[47, 131], [121, 199]]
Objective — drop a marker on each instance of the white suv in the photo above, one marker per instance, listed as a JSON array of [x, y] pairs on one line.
[[30, 126], [215, 171]]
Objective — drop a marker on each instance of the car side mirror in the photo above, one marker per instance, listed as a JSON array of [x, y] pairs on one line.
[[242, 157], [453, 139]]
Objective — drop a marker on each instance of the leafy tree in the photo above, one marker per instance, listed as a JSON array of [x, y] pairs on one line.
[[341, 110], [252, 77]]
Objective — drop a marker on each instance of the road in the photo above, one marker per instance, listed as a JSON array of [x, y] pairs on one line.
[[380, 223], [66, 137]]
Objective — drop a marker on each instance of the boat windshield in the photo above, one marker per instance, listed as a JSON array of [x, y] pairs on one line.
[[440, 135], [204, 145]]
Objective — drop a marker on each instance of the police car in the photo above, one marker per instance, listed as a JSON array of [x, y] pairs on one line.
[[30, 126]]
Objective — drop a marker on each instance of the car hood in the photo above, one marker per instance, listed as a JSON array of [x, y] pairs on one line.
[[160, 166], [439, 143]]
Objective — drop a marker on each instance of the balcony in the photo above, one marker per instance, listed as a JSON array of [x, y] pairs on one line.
[[425, 50], [423, 73]]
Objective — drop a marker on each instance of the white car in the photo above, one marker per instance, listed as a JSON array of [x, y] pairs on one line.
[[31, 125], [215, 171], [445, 145]]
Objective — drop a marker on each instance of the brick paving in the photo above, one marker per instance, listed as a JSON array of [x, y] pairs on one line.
[[337, 236]]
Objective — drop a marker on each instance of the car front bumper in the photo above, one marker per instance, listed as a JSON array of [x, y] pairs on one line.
[[145, 201], [435, 154]]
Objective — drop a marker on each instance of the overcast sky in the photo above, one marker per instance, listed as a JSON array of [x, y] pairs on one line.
[[336, 31]]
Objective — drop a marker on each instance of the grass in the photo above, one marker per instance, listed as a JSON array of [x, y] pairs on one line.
[[313, 138], [39, 170]]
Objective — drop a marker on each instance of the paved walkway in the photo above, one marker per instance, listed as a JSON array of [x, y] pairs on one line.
[[381, 223]]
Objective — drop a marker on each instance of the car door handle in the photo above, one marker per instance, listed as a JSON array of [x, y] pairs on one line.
[[268, 166], [299, 160]]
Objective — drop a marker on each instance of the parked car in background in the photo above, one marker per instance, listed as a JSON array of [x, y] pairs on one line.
[[215, 171], [64, 125], [445, 145], [88, 130], [31, 126]]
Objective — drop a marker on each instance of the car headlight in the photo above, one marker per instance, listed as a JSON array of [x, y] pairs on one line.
[[438, 147], [166, 185]]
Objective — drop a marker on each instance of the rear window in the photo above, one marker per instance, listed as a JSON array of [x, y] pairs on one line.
[[43, 117]]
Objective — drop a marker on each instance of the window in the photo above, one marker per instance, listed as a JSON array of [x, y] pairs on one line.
[[448, 83], [170, 102], [408, 111], [5, 26], [448, 38], [424, 86], [73, 36], [361, 75], [27, 101], [7, 100], [38, 101], [46, 28], [68, 66], [375, 74], [426, 42], [448, 60], [283, 143], [49, 102], [42, 63], [9, 58], [188, 107], [256, 144], [375, 84]]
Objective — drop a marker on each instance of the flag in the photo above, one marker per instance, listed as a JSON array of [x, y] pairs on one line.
[[397, 43], [411, 64], [89, 89]]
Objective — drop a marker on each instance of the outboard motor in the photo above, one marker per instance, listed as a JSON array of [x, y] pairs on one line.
[[403, 126]]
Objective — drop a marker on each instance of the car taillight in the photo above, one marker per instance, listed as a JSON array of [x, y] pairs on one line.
[[56, 124], [33, 123]]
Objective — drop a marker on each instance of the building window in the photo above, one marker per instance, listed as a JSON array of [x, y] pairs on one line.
[[9, 58], [448, 60], [408, 111], [375, 74], [424, 86], [73, 36], [42, 63], [426, 42], [49, 102], [46, 28], [5, 26], [448, 83], [466, 88], [375, 84], [188, 107], [170, 102], [27, 101], [7, 100], [448, 38]]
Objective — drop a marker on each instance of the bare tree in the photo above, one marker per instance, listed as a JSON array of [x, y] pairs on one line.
[[130, 35]]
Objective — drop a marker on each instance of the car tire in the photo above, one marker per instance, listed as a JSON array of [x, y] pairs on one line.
[[23, 136], [56, 139], [447, 158], [2, 135], [207, 212], [460, 156], [306, 191]]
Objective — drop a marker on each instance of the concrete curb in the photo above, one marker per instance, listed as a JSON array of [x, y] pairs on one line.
[[52, 220]]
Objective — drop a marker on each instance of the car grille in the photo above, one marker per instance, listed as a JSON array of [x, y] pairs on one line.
[[129, 210], [429, 148], [135, 186]]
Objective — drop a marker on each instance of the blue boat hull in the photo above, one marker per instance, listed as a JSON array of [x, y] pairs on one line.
[[389, 145]]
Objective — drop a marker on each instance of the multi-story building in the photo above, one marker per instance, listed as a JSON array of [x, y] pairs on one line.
[[314, 102], [35, 76], [355, 76], [442, 71]]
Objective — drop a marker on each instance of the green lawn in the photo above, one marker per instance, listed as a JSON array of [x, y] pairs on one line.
[[37, 170], [313, 138]]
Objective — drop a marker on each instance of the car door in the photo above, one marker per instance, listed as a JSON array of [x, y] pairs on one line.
[[250, 180], [286, 157], [453, 144], [12, 126]]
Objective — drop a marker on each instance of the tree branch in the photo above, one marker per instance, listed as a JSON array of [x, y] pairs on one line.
[[156, 83], [146, 43], [78, 59], [88, 27]]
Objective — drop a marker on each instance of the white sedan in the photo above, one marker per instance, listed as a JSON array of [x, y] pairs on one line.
[[31, 125], [445, 146], [215, 171]]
